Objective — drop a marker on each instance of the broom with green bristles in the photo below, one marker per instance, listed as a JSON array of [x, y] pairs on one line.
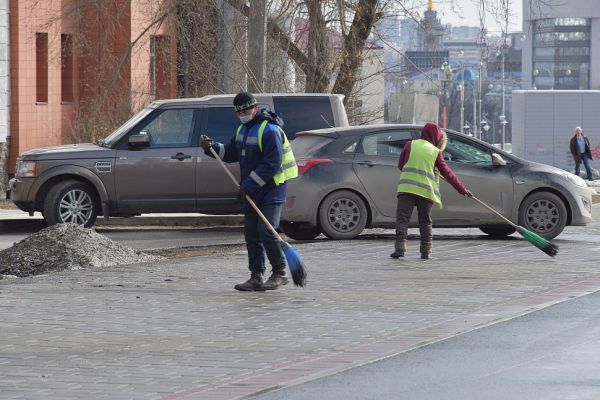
[[532, 237]]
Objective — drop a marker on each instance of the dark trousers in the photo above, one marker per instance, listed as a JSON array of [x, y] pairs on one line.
[[586, 163], [406, 203], [260, 239]]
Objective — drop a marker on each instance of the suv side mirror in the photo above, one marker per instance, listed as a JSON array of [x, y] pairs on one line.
[[139, 141], [497, 159]]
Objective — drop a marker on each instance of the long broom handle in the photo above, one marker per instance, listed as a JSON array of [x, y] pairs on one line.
[[508, 221], [235, 182]]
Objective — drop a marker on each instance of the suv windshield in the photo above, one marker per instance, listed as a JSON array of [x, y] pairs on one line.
[[114, 137]]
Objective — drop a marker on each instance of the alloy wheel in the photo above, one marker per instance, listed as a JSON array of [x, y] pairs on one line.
[[75, 206], [344, 215], [542, 215]]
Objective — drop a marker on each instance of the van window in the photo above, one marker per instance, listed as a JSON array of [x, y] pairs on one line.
[[168, 128], [221, 123], [303, 113]]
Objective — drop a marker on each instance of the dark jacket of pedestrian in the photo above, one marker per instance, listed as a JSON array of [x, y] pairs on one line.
[[574, 147]]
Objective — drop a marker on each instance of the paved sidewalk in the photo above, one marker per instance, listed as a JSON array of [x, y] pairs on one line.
[[177, 329]]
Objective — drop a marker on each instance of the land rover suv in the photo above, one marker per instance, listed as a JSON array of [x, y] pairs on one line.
[[153, 162]]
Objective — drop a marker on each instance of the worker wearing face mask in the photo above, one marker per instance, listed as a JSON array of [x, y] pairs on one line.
[[266, 163]]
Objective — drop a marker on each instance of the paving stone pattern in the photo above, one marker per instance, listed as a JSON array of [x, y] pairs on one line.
[[178, 330]]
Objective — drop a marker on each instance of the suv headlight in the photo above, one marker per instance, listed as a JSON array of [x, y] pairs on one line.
[[26, 169], [574, 179]]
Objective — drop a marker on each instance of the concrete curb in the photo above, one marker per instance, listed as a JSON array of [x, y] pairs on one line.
[[205, 220]]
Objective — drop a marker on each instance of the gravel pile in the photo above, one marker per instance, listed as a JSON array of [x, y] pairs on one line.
[[66, 246]]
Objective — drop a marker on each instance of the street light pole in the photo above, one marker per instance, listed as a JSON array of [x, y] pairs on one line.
[[462, 100], [503, 119]]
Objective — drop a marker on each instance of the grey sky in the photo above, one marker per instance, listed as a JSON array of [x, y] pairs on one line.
[[464, 12]]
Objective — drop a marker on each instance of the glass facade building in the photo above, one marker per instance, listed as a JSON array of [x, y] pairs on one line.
[[561, 53]]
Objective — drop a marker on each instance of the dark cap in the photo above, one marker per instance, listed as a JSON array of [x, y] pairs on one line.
[[244, 101]]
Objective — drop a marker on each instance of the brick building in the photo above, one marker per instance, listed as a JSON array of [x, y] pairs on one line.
[[71, 63]]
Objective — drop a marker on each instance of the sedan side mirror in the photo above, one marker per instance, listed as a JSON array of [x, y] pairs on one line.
[[139, 141], [497, 159]]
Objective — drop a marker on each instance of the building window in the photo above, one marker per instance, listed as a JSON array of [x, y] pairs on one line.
[[41, 67], [66, 67], [561, 53], [160, 67]]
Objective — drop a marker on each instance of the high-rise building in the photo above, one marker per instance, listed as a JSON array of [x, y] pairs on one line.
[[561, 48]]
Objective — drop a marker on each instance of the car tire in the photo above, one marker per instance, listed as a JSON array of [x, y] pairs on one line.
[[71, 201], [298, 231], [342, 215], [498, 231], [543, 213]]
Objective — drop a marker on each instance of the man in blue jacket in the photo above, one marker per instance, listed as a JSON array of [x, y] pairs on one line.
[[266, 162]]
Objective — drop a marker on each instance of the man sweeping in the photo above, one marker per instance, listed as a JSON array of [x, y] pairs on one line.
[[419, 186], [266, 163]]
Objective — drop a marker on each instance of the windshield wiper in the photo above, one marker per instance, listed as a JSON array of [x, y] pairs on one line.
[[101, 143]]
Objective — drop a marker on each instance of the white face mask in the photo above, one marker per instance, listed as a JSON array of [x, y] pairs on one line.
[[246, 118]]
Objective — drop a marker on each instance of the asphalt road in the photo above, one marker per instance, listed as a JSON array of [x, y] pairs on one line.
[[549, 354]]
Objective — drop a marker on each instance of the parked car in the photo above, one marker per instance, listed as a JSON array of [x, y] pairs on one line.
[[348, 179], [153, 163]]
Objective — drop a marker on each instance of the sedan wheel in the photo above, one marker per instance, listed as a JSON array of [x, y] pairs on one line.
[[342, 215], [543, 213], [71, 201]]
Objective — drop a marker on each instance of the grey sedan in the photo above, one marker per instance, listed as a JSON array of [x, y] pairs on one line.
[[348, 178]]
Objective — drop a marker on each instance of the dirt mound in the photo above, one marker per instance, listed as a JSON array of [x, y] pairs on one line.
[[66, 246]]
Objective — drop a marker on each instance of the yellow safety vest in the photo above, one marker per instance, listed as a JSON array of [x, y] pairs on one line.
[[288, 168], [418, 175]]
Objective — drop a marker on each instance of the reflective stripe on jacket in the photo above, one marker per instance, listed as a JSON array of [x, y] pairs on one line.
[[288, 168], [418, 175]]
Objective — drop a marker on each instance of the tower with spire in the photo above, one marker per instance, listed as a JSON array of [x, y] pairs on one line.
[[431, 31]]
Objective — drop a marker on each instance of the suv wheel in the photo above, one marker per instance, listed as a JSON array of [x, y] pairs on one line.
[[543, 213], [342, 215], [297, 231], [71, 201]]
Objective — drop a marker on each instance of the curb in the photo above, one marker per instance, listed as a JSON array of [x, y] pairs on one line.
[[206, 220]]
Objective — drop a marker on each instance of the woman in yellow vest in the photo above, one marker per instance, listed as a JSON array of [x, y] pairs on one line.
[[420, 163]]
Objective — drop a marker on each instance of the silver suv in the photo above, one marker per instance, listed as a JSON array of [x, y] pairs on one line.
[[153, 162]]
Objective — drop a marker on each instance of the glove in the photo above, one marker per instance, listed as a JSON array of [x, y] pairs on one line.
[[242, 195], [468, 193], [206, 142]]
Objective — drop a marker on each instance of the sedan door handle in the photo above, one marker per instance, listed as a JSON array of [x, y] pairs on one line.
[[180, 156], [368, 163]]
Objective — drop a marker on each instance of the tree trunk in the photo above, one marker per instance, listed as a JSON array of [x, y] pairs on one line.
[[354, 44]]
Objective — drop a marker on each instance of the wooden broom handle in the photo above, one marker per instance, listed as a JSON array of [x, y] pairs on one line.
[[488, 207], [235, 182]]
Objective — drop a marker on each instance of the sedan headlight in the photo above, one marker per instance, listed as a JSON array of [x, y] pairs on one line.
[[26, 169], [574, 179]]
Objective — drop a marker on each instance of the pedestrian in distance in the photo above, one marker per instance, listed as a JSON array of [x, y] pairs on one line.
[[266, 163], [580, 149], [420, 164]]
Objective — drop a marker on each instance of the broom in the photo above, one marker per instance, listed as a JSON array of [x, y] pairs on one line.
[[532, 237], [295, 264]]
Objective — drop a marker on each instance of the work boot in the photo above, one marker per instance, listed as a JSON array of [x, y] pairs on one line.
[[397, 254], [254, 284], [276, 280], [424, 256]]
